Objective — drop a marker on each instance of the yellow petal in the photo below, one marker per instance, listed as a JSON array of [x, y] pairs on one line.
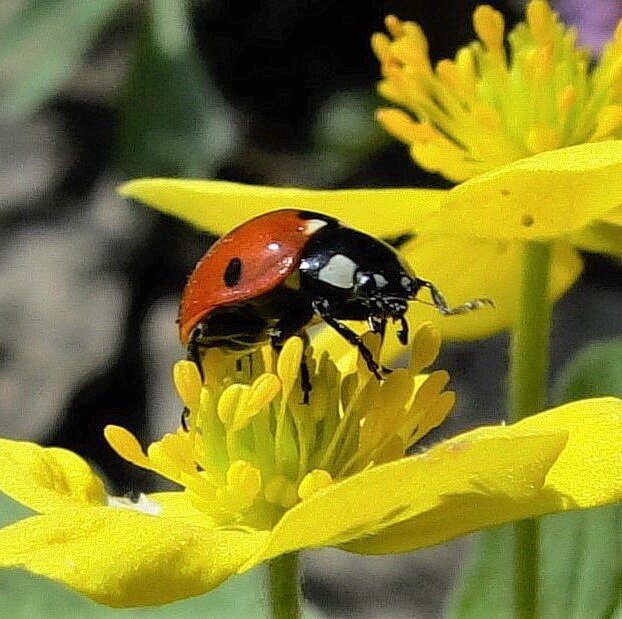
[[587, 473], [180, 506], [601, 237], [550, 194], [218, 206], [497, 463], [589, 470], [47, 479], [614, 216], [463, 269], [122, 558]]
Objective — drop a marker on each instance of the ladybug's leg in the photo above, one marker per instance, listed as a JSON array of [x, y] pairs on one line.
[[184, 418], [443, 308], [322, 310], [193, 352], [305, 379], [305, 376], [402, 334], [377, 325]]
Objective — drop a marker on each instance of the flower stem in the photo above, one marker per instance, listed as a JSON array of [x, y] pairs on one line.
[[529, 364], [285, 587], [529, 355]]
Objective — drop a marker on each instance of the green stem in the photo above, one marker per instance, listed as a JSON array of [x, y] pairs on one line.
[[529, 364], [285, 587], [529, 355]]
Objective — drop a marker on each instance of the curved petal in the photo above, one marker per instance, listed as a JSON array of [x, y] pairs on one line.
[[179, 505], [614, 216], [587, 473], [600, 237], [589, 470], [47, 479], [464, 269], [550, 194], [121, 558], [218, 206], [488, 461]]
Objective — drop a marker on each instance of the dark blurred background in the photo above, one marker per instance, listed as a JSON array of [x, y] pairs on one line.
[[279, 92]]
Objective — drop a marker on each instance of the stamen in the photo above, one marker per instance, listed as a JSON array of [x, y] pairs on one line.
[[489, 26], [486, 108], [253, 450], [312, 482]]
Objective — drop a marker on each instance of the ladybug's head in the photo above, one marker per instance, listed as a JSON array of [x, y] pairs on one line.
[[358, 276]]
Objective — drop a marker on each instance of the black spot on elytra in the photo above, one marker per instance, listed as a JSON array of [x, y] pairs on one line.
[[233, 272]]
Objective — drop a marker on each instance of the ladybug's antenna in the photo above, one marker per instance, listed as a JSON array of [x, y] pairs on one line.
[[441, 305]]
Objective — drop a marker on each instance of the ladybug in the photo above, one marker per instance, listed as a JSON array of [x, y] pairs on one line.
[[275, 274]]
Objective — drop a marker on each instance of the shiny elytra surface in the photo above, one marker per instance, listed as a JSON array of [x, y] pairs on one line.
[[268, 248]]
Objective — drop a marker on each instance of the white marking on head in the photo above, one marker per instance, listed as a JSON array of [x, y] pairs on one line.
[[381, 280], [313, 225], [274, 246], [338, 272]]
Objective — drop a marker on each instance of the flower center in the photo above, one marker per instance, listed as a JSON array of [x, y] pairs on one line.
[[488, 106], [253, 449]]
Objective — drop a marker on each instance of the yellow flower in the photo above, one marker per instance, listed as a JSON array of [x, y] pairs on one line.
[[488, 107], [490, 117], [261, 475]]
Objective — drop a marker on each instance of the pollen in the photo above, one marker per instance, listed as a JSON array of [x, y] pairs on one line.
[[502, 97], [251, 449]]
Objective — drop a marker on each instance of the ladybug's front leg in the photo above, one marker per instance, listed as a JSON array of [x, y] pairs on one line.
[[444, 309], [322, 309]]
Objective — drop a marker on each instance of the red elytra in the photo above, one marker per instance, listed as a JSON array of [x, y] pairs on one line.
[[268, 248]]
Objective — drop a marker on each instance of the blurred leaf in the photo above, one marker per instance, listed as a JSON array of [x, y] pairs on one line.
[[26, 595], [41, 47], [581, 552], [594, 370], [173, 120], [485, 586], [581, 563]]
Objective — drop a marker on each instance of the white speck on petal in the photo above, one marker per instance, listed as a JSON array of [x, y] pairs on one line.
[[144, 504]]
